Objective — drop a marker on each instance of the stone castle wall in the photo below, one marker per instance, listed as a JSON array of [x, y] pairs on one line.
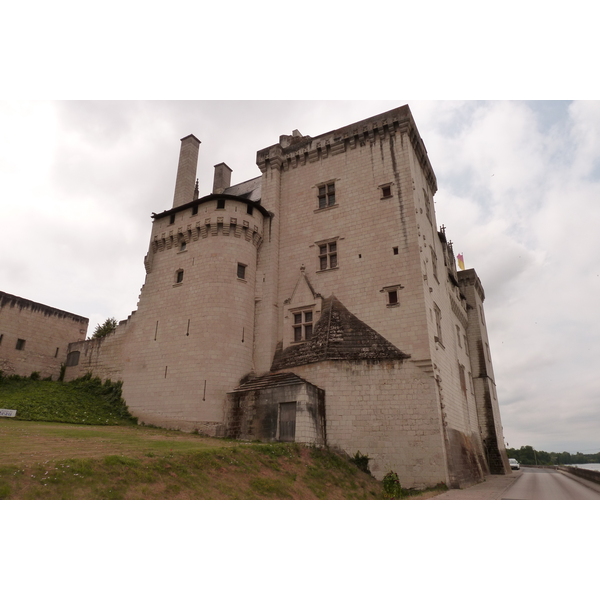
[[35, 337]]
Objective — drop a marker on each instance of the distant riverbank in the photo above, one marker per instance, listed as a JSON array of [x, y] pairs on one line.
[[590, 466]]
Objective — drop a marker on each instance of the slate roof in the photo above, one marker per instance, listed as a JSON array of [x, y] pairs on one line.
[[271, 380], [338, 335]]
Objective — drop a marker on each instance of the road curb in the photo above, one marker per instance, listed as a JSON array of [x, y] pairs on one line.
[[490, 489]]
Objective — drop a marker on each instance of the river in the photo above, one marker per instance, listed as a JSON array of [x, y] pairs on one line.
[[590, 466]]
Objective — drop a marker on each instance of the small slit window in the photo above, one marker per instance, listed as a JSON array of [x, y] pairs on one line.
[[172, 219], [241, 271], [392, 297], [179, 276], [250, 209], [20, 344]]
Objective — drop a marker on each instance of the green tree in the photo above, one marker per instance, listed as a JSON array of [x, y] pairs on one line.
[[107, 327]]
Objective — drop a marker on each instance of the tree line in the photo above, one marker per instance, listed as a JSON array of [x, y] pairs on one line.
[[526, 455]]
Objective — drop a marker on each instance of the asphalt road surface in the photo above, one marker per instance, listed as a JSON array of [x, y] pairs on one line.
[[548, 484]]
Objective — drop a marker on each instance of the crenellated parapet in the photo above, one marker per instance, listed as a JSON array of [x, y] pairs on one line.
[[296, 150], [203, 229]]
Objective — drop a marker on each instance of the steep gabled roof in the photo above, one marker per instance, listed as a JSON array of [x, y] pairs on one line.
[[338, 335]]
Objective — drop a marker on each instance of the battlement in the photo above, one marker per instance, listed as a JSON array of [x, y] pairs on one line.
[[297, 150]]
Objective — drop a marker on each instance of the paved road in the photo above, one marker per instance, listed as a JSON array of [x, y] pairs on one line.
[[548, 484]]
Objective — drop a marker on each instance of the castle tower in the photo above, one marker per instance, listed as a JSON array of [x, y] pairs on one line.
[[194, 330]]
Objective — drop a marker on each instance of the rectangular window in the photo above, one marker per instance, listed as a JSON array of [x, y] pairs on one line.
[[328, 256], [1, 336], [195, 209], [438, 323], [303, 326], [458, 336], [463, 380], [20, 344], [434, 264], [326, 195], [427, 205], [179, 276], [386, 191], [220, 203], [395, 250], [172, 219], [241, 271], [73, 359], [393, 297], [250, 209]]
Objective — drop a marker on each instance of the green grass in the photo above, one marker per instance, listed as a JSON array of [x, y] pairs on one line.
[[59, 447], [84, 400], [134, 462]]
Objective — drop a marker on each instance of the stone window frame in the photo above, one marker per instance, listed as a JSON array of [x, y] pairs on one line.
[[386, 190], [20, 344], [438, 324], [434, 264], [73, 358], [427, 206], [302, 327], [390, 291], [241, 271], [326, 195], [463, 378], [328, 250], [220, 204], [178, 277]]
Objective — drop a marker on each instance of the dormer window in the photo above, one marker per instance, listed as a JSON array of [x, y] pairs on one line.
[[303, 325]]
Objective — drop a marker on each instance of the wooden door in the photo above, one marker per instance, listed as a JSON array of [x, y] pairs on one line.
[[287, 421]]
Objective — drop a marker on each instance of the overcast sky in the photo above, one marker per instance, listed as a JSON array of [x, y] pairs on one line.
[[518, 183]]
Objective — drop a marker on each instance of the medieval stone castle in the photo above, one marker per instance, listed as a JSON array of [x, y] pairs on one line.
[[317, 303]]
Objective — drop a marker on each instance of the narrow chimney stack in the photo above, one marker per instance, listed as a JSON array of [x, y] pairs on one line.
[[186, 171], [222, 178]]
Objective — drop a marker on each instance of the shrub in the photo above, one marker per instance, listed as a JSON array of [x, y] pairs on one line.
[[361, 461], [392, 490], [107, 327]]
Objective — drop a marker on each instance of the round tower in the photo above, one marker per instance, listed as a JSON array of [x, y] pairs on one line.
[[191, 340], [194, 326]]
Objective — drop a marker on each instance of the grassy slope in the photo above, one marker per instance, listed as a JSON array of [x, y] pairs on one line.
[[155, 464], [76, 440], [82, 401]]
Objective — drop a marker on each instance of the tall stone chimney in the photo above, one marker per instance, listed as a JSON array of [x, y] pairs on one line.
[[222, 178], [186, 171]]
